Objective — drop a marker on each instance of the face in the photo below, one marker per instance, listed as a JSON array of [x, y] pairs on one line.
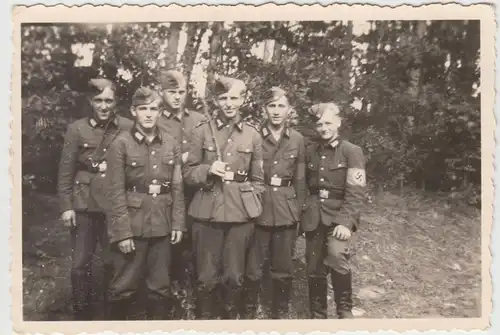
[[174, 97], [103, 104], [230, 103], [146, 116], [328, 126], [277, 111]]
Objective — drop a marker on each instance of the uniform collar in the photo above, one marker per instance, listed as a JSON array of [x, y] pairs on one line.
[[266, 132], [101, 124], [221, 123], [139, 137], [168, 114], [332, 144]]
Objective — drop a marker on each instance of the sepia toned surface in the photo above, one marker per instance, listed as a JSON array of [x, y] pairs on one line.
[[402, 270]]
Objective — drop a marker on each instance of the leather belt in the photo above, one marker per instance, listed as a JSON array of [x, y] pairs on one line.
[[92, 168], [276, 181], [326, 194], [236, 177], [153, 189]]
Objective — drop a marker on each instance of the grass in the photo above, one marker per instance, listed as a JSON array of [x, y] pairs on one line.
[[416, 255]]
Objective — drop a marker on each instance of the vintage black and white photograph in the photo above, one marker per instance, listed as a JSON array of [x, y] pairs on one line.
[[252, 170]]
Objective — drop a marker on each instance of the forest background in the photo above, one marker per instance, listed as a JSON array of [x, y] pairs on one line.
[[410, 93]]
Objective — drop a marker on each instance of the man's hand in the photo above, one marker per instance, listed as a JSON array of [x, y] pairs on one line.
[[69, 218], [126, 246], [184, 157], [342, 233], [176, 236], [218, 168]]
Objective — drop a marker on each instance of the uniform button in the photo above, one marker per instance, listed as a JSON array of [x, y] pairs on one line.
[[322, 200], [322, 179], [227, 182], [229, 154], [275, 175], [184, 141], [154, 195], [85, 145], [77, 182], [155, 181], [155, 166], [103, 175], [229, 140], [275, 189], [104, 149], [183, 128], [134, 163], [275, 162], [321, 168], [228, 168], [323, 157], [153, 152]]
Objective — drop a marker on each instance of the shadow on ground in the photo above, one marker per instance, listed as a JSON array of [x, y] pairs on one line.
[[415, 256]]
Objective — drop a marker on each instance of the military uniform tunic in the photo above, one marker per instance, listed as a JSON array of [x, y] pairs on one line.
[[147, 202], [224, 210], [180, 128], [335, 176], [81, 179], [284, 172]]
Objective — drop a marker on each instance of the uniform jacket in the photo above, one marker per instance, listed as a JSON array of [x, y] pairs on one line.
[[86, 144], [180, 129], [220, 200], [285, 160], [133, 163], [341, 171]]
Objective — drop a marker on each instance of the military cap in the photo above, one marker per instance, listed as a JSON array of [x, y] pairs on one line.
[[318, 110], [98, 85], [144, 96], [225, 84], [273, 94], [172, 79]]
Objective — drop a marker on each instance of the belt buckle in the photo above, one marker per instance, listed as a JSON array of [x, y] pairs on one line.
[[229, 175], [102, 166], [154, 189], [323, 194], [275, 181]]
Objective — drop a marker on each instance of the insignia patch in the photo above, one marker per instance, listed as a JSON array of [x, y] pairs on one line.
[[356, 177]]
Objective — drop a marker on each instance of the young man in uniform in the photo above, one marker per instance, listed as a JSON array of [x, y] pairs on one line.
[[335, 174], [147, 210], [80, 187], [276, 229], [225, 165], [179, 122]]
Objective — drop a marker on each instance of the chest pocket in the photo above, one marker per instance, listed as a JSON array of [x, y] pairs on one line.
[[135, 162], [168, 163], [209, 152], [291, 154], [244, 155], [338, 171]]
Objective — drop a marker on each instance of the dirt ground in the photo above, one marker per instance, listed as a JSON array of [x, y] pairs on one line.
[[415, 256]]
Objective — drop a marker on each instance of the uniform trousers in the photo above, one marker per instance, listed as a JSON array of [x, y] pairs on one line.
[[275, 244], [89, 230], [150, 261]]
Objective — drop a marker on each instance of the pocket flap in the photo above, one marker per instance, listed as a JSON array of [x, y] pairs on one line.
[[83, 177], [291, 154], [245, 187], [134, 161], [245, 149], [168, 159], [134, 200], [209, 147]]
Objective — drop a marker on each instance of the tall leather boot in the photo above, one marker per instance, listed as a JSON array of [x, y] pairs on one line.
[[282, 289], [205, 304], [137, 308], [317, 297], [233, 301], [250, 299], [160, 308], [81, 288], [117, 310], [342, 286]]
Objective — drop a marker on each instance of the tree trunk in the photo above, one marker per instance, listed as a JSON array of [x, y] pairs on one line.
[[214, 42], [173, 44], [195, 34]]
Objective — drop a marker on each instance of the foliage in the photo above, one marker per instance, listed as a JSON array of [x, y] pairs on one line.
[[407, 88]]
